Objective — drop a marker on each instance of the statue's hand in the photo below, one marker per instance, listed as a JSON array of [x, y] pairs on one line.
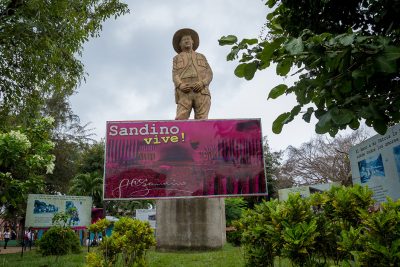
[[198, 86], [185, 87]]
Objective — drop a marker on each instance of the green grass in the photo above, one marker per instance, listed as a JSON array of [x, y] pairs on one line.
[[229, 256], [34, 259]]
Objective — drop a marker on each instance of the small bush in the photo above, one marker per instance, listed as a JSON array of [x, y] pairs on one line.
[[59, 241], [130, 238]]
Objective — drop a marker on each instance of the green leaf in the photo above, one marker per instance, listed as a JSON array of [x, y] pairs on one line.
[[384, 65], [239, 71], [277, 91], [379, 126], [391, 52], [295, 46], [270, 15], [250, 70], [324, 123], [276, 26], [246, 70], [269, 49], [248, 41], [357, 73], [246, 58], [342, 116], [233, 54], [307, 115], [271, 3], [295, 111], [278, 122], [354, 124], [227, 40], [283, 67], [346, 87], [353, 98], [346, 39]]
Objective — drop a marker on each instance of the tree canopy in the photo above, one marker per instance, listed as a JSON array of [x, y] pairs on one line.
[[25, 157], [321, 160], [88, 180], [40, 42], [346, 54]]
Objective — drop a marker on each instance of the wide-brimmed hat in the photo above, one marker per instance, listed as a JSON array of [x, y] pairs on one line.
[[182, 32]]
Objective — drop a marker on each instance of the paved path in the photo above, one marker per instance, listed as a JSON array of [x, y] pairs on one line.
[[11, 250]]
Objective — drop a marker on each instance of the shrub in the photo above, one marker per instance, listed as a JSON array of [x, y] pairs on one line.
[[94, 259], [59, 241], [380, 241], [338, 222], [100, 226], [134, 237], [234, 236], [130, 238], [259, 236]]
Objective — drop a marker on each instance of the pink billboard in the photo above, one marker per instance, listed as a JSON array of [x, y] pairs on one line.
[[183, 159]]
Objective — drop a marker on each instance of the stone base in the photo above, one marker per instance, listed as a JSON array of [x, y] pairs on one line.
[[192, 224]]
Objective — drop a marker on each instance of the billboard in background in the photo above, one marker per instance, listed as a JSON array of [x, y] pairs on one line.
[[41, 209], [304, 191], [376, 163], [183, 159], [147, 215]]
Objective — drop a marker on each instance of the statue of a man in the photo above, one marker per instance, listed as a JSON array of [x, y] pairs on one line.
[[191, 75]]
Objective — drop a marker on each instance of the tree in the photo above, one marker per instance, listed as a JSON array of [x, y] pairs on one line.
[[88, 184], [321, 160], [39, 44], [71, 140], [272, 161], [90, 168], [67, 153], [347, 56], [92, 158], [25, 157], [88, 179]]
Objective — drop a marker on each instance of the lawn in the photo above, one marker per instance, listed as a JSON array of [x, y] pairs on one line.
[[229, 256], [34, 259]]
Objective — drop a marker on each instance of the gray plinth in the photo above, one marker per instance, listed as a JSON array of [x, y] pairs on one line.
[[194, 224]]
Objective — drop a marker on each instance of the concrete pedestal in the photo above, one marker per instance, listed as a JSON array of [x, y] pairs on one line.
[[195, 224]]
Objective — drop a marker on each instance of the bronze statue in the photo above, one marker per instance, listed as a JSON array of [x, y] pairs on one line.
[[191, 75]]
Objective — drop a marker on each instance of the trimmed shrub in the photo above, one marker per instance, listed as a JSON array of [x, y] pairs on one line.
[[59, 241]]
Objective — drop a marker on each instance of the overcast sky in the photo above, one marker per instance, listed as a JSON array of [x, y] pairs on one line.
[[130, 64]]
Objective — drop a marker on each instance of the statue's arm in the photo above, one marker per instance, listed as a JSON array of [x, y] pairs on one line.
[[175, 73], [209, 74]]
